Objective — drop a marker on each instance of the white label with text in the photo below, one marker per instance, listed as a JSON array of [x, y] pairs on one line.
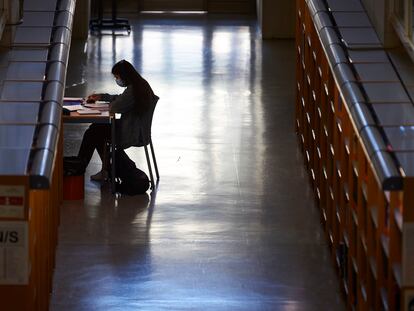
[[14, 254]]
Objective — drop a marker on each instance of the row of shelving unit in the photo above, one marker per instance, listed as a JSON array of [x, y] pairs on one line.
[[28, 245], [31, 150], [364, 224]]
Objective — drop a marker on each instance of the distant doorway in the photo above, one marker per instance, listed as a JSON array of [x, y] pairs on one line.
[[173, 5], [213, 6]]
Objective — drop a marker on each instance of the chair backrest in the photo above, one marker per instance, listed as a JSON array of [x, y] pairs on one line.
[[146, 124]]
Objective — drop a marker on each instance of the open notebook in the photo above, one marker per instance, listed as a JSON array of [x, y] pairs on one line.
[[98, 105], [82, 107]]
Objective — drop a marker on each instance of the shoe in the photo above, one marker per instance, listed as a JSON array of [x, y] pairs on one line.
[[100, 176]]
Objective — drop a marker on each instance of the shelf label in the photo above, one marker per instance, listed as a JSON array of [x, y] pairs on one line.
[[14, 253], [408, 254], [12, 201]]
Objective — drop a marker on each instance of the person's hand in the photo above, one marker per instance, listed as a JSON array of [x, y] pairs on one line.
[[93, 98]]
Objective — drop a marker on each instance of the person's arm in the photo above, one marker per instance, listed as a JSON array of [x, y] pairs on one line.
[[101, 96], [107, 97], [124, 102]]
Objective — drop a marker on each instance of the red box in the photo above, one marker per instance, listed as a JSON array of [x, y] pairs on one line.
[[73, 187]]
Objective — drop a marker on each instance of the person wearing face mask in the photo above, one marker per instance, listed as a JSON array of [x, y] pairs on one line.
[[133, 104]]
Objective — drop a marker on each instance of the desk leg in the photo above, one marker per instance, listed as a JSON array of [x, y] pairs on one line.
[[113, 144]]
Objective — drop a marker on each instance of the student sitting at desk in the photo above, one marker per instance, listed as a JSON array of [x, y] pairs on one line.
[[133, 104]]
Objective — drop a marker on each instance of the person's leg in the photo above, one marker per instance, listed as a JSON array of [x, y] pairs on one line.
[[104, 149], [94, 138]]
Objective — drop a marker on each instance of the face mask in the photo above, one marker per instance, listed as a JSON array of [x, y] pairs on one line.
[[120, 82]]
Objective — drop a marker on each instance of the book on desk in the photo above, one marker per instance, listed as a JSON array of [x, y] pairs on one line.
[[78, 104]]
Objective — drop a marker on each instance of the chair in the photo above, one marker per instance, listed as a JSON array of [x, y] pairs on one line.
[[146, 140], [145, 132], [114, 23], [149, 164]]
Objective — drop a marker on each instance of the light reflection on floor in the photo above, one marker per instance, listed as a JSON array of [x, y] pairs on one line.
[[232, 224]]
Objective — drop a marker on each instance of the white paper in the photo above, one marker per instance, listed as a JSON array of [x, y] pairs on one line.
[[73, 99], [97, 106], [14, 253], [73, 107], [88, 111]]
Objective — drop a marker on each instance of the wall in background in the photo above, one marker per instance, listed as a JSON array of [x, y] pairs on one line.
[[276, 18], [380, 12]]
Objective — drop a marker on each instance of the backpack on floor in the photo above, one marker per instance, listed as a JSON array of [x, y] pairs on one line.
[[130, 179], [73, 166]]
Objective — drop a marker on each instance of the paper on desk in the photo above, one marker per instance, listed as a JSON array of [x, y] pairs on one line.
[[73, 99], [99, 106], [88, 111], [73, 107]]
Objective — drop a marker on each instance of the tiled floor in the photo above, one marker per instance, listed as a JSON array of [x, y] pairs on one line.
[[232, 225]]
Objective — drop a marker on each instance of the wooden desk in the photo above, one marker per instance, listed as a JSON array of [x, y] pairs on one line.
[[105, 117]]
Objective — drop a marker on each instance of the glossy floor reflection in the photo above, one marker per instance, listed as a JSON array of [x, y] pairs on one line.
[[232, 225]]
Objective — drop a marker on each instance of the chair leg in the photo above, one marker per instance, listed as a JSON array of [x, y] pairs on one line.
[[149, 167], [154, 160]]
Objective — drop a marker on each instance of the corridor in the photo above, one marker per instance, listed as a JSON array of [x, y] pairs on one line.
[[232, 224]]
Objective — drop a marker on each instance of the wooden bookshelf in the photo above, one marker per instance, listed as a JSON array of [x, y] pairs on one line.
[[365, 225], [41, 220]]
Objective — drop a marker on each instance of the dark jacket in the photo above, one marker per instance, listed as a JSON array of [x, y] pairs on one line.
[[133, 128]]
